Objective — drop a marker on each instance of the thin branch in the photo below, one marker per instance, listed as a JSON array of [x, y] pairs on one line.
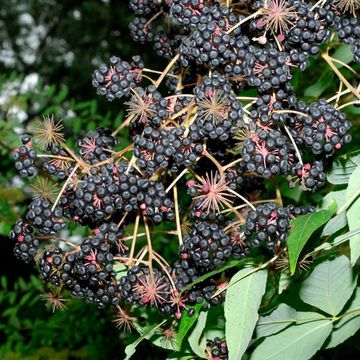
[[246, 201], [298, 154], [327, 58], [64, 187], [167, 69], [243, 21], [134, 237], [215, 162], [346, 91], [122, 125], [176, 179], [177, 215], [348, 104], [345, 65]]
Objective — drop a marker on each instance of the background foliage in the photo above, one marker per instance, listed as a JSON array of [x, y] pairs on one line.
[[48, 51]]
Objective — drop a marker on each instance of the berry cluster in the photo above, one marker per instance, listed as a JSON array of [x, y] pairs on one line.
[[24, 158], [165, 149], [216, 349], [323, 130], [208, 134], [207, 245], [116, 80]]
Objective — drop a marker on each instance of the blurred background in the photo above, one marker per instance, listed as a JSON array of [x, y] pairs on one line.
[[48, 50]]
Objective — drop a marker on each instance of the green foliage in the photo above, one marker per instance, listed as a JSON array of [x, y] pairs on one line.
[[31, 331], [186, 323], [301, 230], [352, 202], [243, 299], [300, 341], [329, 279]]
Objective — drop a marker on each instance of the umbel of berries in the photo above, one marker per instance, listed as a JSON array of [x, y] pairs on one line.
[[324, 130], [216, 349], [145, 288], [309, 176], [207, 245], [268, 224], [26, 245], [24, 157], [219, 113], [268, 153], [116, 80]]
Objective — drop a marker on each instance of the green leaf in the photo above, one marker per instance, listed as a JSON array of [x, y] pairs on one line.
[[130, 349], [242, 302], [339, 221], [344, 54], [297, 342], [337, 241], [121, 270], [4, 282], [353, 213], [277, 320], [330, 285], [301, 230], [347, 325], [228, 265], [187, 322], [160, 341], [284, 281], [335, 224], [343, 167], [62, 95], [320, 86], [196, 334]]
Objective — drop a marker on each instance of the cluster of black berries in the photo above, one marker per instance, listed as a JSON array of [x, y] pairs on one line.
[[219, 114], [112, 190], [266, 69], [310, 176], [96, 196], [24, 157], [154, 201], [59, 167], [141, 30], [323, 129], [25, 244], [116, 80], [96, 146], [268, 224], [266, 107], [147, 107], [309, 31], [185, 273], [210, 43], [88, 271], [216, 349], [348, 29], [268, 153], [142, 288], [207, 245], [46, 219], [165, 149], [144, 7]]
